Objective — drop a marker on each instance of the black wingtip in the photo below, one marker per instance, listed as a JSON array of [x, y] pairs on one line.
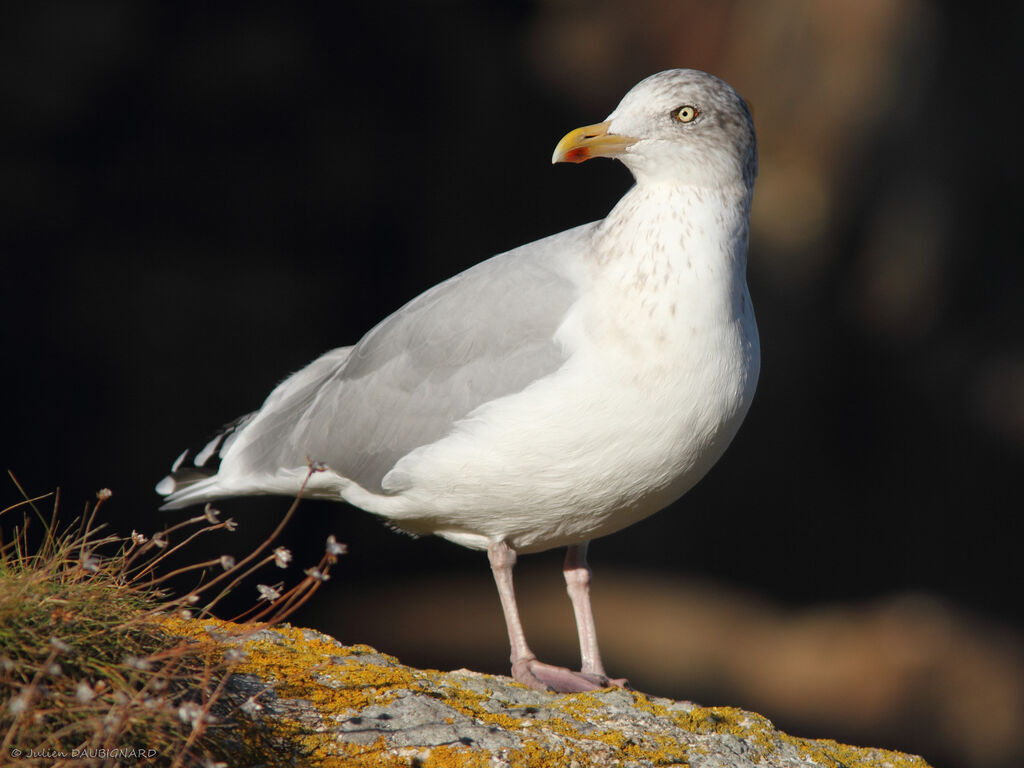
[[194, 465]]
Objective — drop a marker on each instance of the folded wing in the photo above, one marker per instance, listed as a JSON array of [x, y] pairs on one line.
[[487, 332]]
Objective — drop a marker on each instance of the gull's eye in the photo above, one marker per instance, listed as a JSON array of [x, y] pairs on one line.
[[685, 114]]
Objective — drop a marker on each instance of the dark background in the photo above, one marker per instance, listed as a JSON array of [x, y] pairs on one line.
[[196, 201]]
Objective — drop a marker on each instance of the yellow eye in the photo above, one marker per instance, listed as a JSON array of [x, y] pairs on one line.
[[685, 114]]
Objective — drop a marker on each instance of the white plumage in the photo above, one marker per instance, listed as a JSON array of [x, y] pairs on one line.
[[554, 393]]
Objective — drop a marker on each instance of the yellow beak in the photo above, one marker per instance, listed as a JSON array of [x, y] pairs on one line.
[[590, 141]]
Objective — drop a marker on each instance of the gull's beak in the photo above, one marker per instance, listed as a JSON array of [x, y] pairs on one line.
[[590, 141]]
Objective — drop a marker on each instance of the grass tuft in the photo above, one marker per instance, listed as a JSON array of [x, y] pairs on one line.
[[90, 673]]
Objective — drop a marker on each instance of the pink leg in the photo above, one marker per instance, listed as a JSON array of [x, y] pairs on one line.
[[503, 560], [526, 669], [577, 584]]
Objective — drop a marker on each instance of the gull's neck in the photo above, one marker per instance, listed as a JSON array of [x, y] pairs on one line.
[[668, 278], [703, 228], [666, 246]]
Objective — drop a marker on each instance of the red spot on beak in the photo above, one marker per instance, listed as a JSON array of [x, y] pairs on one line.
[[577, 155]]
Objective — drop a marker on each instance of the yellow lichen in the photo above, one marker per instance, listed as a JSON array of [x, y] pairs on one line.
[[760, 733], [297, 663]]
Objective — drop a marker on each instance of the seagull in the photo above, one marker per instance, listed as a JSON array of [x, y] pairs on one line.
[[552, 394]]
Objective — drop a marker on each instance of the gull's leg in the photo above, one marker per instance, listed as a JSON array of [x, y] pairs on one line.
[[577, 584], [503, 560], [526, 669]]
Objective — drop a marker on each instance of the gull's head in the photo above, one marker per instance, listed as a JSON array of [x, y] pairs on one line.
[[681, 125]]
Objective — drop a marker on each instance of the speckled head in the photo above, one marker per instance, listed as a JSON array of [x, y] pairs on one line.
[[681, 125], [692, 127]]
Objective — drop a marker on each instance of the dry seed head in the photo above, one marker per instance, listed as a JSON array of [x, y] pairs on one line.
[[137, 662], [267, 593], [317, 574], [282, 557], [334, 547], [20, 703], [84, 692], [190, 713], [251, 707]]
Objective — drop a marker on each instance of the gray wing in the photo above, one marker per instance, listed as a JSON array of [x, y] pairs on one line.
[[483, 334]]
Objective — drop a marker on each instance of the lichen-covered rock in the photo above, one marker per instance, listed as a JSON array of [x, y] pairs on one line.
[[336, 705]]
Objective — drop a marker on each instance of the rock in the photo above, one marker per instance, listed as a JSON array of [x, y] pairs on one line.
[[336, 705]]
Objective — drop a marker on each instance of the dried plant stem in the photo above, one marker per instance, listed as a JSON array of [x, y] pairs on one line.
[[166, 553], [256, 552]]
